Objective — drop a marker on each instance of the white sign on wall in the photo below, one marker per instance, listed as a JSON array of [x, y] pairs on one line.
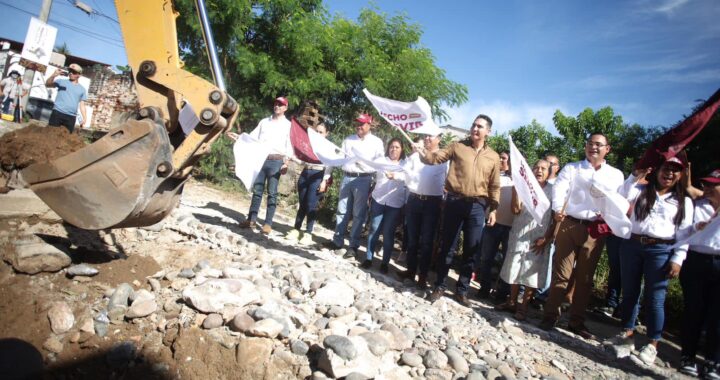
[[39, 42]]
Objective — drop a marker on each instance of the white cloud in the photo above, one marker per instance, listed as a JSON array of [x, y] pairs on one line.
[[505, 115], [670, 6]]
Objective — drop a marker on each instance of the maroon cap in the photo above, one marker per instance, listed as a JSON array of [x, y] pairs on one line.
[[714, 177], [676, 161], [364, 118], [281, 100]]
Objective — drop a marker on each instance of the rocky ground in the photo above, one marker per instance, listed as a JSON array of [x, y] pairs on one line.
[[198, 297]]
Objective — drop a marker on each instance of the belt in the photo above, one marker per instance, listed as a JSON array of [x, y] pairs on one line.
[[275, 157], [477, 199], [355, 175], [576, 220], [425, 197], [649, 240], [314, 166]]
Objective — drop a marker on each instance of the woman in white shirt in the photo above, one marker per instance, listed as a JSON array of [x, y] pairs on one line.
[[660, 215], [386, 202], [700, 280]]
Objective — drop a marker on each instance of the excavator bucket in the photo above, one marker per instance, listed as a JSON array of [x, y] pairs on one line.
[[122, 180]]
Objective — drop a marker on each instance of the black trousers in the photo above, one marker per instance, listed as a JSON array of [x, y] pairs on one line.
[[700, 280], [58, 118]]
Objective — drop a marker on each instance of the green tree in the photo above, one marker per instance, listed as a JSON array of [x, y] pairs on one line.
[[63, 49], [294, 48], [575, 130], [533, 141]]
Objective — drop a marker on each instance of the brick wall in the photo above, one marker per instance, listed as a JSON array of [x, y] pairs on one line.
[[111, 95]]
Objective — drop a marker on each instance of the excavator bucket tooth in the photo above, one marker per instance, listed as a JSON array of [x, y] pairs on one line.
[[122, 180]]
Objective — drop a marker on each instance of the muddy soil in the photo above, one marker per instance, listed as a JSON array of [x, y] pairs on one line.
[[36, 143]]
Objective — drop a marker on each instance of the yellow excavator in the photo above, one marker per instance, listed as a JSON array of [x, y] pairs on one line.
[[134, 175]]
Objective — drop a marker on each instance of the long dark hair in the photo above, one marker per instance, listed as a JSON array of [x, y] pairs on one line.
[[648, 196], [402, 148]]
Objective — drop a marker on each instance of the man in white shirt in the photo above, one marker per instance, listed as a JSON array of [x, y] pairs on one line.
[[422, 211], [356, 183], [495, 238], [576, 250], [274, 131]]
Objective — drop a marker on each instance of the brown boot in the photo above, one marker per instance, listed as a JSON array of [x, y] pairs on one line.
[[266, 229], [246, 223]]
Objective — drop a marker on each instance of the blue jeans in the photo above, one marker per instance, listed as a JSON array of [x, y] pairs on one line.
[[354, 192], [648, 262], [494, 238], [308, 196], [612, 244], [6, 104], [269, 173], [470, 216], [421, 219], [382, 218], [700, 280]]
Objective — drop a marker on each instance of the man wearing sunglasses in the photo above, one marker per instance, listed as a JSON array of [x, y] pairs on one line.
[[71, 97]]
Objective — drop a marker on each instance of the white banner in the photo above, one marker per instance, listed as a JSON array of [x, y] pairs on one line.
[[415, 117], [707, 237], [527, 186], [612, 206], [39, 42], [250, 155]]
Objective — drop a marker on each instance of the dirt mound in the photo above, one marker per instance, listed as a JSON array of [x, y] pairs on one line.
[[36, 143]]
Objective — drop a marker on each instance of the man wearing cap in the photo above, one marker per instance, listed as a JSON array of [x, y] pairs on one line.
[[273, 131], [473, 185], [422, 210], [70, 97], [356, 183], [577, 248]]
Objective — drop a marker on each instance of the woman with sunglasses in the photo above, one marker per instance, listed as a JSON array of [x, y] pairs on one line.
[[661, 214]]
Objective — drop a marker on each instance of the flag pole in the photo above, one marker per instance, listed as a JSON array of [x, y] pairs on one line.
[[562, 211]]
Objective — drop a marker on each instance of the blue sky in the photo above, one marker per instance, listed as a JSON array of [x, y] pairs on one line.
[[521, 60]]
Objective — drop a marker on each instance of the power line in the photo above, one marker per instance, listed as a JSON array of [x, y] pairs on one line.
[[88, 33]]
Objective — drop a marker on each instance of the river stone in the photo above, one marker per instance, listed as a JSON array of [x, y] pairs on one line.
[[141, 308], [212, 321], [266, 328], [411, 359], [341, 345], [214, 295], [120, 296], [242, 322], [435, 359], [33, 255], [377, 344], [81, 270], [437, 374], [61, 317], [335, 292], [299, 347], [457, 361]]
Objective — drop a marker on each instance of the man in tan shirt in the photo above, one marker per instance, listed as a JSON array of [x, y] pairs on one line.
[[473, 184]]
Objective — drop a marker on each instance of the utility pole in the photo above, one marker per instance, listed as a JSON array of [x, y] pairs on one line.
[[30, 73]]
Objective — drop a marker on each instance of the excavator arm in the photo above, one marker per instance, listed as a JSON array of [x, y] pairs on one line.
[[134, 175]]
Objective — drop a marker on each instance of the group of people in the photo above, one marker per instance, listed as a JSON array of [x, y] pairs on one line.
[[467, 187], [69, 101]]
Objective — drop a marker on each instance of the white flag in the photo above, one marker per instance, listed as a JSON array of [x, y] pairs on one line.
[[413, 117], [612, 206], [528, 188], [707, 237], [327, 152], [250, 155]]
